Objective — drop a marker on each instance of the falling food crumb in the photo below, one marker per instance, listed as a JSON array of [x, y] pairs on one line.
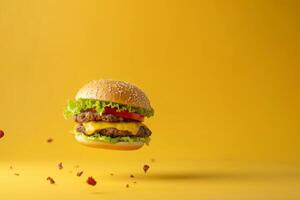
[[70, 171], [60, 166], [152, 160], [50, 180], [16, 174], [10, 167], [111, 174], [131, 176], [145, 168], [49, 140], [76, 166], [79, 173], [127, 185], [91, 181], [1, 133], [134, 182]]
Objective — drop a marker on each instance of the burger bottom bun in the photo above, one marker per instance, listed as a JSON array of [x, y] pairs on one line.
[[124, 146]]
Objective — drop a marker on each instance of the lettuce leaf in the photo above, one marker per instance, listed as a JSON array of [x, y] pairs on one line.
[[103, 138], [76, 106]]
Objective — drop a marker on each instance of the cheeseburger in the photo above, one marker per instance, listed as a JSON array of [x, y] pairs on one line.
[[109, 115]]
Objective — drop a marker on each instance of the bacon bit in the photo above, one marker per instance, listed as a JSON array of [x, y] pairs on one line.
[[60, 166], [145, 168], [17, 174], [127, 185], [79, 173], [50, 180], [49, 140], [1, 133], [131, 176], [91, 181], [111, 174]]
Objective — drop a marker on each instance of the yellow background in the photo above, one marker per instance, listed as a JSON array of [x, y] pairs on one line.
[[222, 76]]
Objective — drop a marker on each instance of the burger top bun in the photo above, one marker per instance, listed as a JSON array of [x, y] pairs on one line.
[[115, 91]]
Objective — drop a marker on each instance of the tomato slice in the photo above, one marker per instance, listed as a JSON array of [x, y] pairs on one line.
[[124, 114]]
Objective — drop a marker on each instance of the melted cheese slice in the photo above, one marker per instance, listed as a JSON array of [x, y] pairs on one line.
[[91, 127]]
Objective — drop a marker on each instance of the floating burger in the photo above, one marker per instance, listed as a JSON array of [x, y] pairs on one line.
[[109, 115]]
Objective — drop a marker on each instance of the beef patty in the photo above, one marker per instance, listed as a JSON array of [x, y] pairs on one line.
[[92, 115], [113, 132]]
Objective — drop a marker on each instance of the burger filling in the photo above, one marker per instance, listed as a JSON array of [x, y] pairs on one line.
[[108, 121]]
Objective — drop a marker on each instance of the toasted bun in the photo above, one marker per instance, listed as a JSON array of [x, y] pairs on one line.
[[104, 145], [115, 91]]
